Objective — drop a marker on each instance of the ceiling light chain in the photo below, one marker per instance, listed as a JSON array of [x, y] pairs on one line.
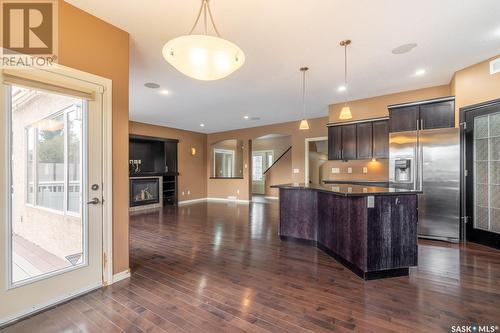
[[304, 69], [304, 125], [204, 9]]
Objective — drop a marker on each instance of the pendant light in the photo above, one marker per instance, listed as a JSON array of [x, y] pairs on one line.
[[203, 57], [304, 124], [345, 113]]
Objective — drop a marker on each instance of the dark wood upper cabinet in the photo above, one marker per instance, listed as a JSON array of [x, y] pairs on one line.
[[359, 141], [349, 142], [335, 143], [422, 115], [437, 115], [364, 142], [381, 139], [404, 118]]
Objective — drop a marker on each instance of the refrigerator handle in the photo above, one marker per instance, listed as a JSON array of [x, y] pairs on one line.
[[416, 157], [421, 163]]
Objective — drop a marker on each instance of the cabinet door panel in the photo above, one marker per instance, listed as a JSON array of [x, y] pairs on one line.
[[404, 118], [335, 143], [381, 139], [438, 115], [364, 142], [349, 142], [171, 156]]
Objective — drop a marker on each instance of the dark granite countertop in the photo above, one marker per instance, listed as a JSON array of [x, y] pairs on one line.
[[348, 189], [381, 183]]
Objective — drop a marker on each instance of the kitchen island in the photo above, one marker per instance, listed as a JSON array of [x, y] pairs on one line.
[[371, 230]]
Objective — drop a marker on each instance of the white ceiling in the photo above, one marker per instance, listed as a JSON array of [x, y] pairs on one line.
[[279, 36]]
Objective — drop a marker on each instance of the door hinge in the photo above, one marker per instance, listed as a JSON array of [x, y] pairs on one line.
[[465, 219], [464, 125], [466, 173], [104, 259]]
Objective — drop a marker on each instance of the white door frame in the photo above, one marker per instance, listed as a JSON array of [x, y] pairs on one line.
[[306, 155], [105, 88]]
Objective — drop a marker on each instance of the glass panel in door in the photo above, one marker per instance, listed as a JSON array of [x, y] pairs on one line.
[[48, 228], [487, 172]]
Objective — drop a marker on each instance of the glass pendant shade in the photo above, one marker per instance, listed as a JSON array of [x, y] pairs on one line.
[[345, 113], [304, 124], [203, 57]]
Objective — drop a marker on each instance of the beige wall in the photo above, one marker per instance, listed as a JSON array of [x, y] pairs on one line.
[[94, 46], [377, 170], [374, 107], [281, 173], [222, 188], [192, 169], [474, 84]]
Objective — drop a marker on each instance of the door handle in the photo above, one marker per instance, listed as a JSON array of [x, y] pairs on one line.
[[94, 201]]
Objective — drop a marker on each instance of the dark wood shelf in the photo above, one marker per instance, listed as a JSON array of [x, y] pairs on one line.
[[159, 159]]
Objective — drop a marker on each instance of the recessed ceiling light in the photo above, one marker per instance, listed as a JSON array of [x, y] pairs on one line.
[[246, 117], [342, 88], [164, 92], [151, 85], [202, 125], [419, 72], [405, 48]]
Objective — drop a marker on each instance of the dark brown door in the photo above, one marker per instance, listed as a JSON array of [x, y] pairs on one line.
[[364, 142], [349, 142], [381, 139], [335, 143], [438, 115], [482, 162], [404, 118]]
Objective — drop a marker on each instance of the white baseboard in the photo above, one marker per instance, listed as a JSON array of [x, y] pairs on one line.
[[47, 305], [187, 202], [228, 200], [121, 276]]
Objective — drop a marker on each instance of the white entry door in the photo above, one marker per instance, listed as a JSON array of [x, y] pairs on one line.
[[51, 235]]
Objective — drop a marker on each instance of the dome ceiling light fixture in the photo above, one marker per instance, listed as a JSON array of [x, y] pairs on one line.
[[345, 113], [304, 124], [203, 57]]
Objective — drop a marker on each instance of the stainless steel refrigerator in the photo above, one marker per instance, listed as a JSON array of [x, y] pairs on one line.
[[429, 160]]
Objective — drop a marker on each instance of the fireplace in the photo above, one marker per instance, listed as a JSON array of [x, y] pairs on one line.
[[144, 191]]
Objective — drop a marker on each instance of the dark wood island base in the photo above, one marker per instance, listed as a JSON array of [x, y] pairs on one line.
[[370, 230]]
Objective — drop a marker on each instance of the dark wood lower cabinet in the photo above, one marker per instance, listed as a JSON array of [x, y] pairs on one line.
[[373, 242]]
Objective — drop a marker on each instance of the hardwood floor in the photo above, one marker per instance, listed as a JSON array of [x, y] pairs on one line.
[[217, 267]]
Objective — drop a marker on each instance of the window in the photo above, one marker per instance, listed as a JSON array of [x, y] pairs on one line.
[[54, 148], [269, 160], [257, 169]]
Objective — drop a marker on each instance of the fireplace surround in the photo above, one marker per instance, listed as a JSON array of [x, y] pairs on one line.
[[145, 193]]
